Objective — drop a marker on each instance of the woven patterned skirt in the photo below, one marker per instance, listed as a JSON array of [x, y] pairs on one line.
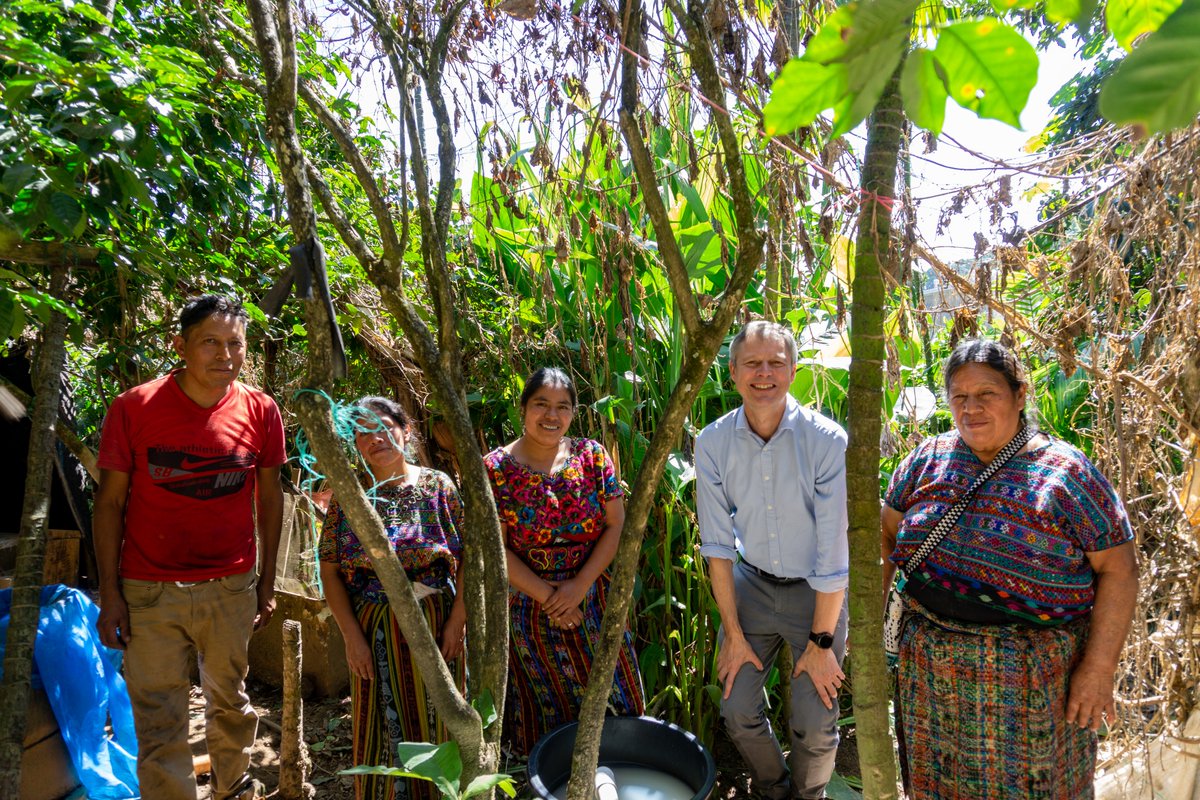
[[981, 712], [548, 669], [393, 707]]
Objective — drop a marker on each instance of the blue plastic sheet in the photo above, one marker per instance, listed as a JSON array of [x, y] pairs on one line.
[[83, 680]]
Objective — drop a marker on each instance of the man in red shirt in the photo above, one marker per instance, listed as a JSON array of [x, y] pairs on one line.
[[186, 461]]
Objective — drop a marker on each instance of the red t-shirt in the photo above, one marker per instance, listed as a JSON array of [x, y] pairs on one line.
[[190, 512]]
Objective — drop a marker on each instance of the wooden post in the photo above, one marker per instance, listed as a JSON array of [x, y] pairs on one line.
[[294, 763]]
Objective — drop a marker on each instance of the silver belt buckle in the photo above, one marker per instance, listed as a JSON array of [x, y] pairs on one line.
[[188, 584]]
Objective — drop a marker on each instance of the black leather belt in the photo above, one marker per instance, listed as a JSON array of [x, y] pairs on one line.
[[768, 577]]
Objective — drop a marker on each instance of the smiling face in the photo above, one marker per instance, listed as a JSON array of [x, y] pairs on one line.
[[548, 414], [381, 445], [212, 351], [762, 372], [986, 410]]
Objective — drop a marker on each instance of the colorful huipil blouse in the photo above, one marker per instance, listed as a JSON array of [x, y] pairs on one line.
[[552, 523], [422, 522], [1019, 551]]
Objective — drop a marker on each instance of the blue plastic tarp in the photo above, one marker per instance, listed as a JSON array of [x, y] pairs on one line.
[[83, 680]]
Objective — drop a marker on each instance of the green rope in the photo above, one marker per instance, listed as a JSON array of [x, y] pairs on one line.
[[349, 420]]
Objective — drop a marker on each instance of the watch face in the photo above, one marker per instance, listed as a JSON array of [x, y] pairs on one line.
[[822, 640]]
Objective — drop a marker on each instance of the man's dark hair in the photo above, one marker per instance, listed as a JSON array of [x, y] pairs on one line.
[[201, 308]]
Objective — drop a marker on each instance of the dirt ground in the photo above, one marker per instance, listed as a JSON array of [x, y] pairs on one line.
[[327, 732]]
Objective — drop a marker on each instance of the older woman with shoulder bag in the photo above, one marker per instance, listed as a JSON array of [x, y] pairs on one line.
[[1020, 583]]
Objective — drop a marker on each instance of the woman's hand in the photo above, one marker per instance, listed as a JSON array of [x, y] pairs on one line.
[[454, 632], [570, 620], [568, 594], [358, 656]]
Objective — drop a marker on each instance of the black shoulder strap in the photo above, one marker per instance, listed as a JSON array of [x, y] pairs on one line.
[[946, 523]]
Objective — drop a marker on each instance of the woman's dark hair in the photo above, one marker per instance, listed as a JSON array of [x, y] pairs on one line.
[[990, 354], [553, 377], [380, 407], [201, 308]]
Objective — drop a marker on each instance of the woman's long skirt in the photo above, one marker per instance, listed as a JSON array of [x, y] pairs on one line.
[[549, 666], [981, 711], [393, 707]]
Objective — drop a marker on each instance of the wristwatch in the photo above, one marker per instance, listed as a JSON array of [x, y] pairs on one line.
[[821, 640]]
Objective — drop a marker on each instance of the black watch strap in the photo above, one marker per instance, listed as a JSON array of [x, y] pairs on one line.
[[821, 640]]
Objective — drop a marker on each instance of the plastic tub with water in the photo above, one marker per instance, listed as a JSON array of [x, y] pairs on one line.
[[652, 760]]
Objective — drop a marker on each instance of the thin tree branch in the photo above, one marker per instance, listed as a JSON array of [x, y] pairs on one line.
[[643, 165], [393, 254], [341, 223]]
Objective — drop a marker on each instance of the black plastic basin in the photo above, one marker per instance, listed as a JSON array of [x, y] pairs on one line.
[[626, 742]]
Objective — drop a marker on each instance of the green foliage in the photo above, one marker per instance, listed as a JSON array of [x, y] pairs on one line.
[[989, 68], [87, 119], [440, 764], [847, 63], [1157, 87], [985, 65], [1129, 19], [923, 88]]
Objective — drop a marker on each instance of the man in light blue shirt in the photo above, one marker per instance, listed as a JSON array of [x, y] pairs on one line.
[[771, 500]]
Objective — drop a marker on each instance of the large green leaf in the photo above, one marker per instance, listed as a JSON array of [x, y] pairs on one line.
[[1080, 12], [484, 782], [803, 90], [12, 315], [873, 37], [1004, 6], [831, 42], [1157, 86], [485, 704], [989, 67], [867, 40], [923, 89], [1129, 19], [66, 215]]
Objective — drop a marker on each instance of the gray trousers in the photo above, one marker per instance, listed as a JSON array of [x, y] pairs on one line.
[[771, 614]]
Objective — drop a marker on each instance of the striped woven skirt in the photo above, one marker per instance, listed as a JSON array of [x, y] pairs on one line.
[[981, 711], [548, 669], [393, 707]]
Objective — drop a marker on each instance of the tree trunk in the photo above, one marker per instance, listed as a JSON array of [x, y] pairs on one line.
[[873, 254], [275, 38], [294, 763], [27, 583]]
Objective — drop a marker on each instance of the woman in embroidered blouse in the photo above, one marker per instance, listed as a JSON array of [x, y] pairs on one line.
[[1016, 620], [422, 514], [561, 508]]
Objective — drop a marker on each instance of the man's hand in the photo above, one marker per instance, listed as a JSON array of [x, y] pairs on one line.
[[1090, 697], [113, 623], [735, 651], [266, 604], [822, 667]]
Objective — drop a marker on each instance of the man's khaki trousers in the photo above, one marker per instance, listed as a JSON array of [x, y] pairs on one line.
[[169, 621]]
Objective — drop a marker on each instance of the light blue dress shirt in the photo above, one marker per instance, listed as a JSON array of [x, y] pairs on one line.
[[781, 503]]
